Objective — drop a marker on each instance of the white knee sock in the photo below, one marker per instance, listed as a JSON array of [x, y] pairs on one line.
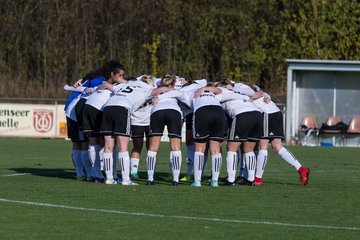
[[109, 164], [124, 162], [216, 161], [92, 153], [289, 158], [150, 164], [261, 163], [94, 159], [176, 159], [134, 163], [198, 165], [250, 160], [231, 165], [101, 157]]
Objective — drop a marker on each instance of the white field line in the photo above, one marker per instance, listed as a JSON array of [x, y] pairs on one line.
[[222, 220], [14, 174]]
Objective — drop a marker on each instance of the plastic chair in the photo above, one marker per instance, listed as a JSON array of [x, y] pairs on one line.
[[354, 125], [354, 129], [309, 128], [309, 122], [333, 120], [336, 134]]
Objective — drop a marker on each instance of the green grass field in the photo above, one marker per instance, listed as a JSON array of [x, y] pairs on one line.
[[40, 199]]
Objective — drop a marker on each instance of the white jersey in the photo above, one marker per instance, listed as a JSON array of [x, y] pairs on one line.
[[178, 84], [229, 95], [98, 98], [201, 82], [209, 98], [157, 81], [130, 95], [205, 99], [169, 100], [235, 107], [266, 107], [190, 90], [244, 89], [141, 117]]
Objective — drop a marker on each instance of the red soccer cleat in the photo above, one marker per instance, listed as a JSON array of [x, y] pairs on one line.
[[304, 175], [258, 181]]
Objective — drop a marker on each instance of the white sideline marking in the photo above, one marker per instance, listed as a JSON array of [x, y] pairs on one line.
[[14, 174], [181, 217]]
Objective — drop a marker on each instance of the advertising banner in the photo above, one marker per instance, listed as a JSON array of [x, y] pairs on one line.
[[39, 121], [31, 120]]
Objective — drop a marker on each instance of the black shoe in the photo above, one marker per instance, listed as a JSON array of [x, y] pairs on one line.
[[150, 183], [240, 179], [175, 183], [247, 183], [227, 183]]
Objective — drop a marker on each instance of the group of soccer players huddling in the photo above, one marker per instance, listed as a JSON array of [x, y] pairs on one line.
[[105, 109]]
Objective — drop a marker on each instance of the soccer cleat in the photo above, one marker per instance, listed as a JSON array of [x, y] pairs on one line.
[[240, 179], [196, 183], [99, 180], [304, 175], [186, 178], [214, 183], [175, 183], [258, 181], [118, 180], [150, 183], [110, 182], [129, 183], [227, 183], [247, 183], [134, 175]]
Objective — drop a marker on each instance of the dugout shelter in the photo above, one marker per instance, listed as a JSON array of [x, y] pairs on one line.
[[321, 88]]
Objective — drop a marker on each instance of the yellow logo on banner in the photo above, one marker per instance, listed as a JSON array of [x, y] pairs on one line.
[[62, 129]]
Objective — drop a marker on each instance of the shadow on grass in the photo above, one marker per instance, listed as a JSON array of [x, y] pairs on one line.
[[47, 172], [160, 177]]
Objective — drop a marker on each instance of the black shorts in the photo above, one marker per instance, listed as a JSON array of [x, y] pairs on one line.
[[245, 127], [139, 131], [73, 131], [115, 121], [208, 124], [273, 126], [169, 117], [79, 108], [92, 120]]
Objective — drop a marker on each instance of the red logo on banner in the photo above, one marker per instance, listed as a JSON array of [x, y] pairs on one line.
[[43, 120]]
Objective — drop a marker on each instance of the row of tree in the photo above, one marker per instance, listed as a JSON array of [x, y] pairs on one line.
[[48, 43]]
